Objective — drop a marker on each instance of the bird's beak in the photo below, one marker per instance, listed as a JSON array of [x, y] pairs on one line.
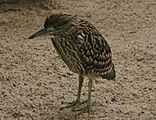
[[41, 32]]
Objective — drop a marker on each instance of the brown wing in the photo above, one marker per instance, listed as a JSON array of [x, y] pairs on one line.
[[95, 52]]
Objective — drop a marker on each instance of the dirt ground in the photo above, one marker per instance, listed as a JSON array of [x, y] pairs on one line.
[[34, 81]]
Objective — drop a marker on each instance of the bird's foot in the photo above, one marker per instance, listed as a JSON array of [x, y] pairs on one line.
[[73, 104], [86, 109]]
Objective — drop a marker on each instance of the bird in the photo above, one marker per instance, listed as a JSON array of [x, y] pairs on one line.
[[82, 48]]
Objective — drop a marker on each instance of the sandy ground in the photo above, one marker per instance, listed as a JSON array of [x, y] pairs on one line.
[[34, 81]]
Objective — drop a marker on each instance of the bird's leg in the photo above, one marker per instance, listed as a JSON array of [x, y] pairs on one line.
[[90, 84], [79, 88], [77, 101], [88, 107]]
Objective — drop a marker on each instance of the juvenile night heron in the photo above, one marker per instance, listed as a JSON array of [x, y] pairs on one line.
[[82, 48]]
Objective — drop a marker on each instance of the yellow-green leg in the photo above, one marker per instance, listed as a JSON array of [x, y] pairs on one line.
[[79, 88], [88, 107], [90, 84], [77, 101]]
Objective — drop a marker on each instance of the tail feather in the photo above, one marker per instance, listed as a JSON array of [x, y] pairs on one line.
[[111, 75]]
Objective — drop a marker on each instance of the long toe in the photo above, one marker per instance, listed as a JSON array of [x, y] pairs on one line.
[[85, 109], [71, 104]]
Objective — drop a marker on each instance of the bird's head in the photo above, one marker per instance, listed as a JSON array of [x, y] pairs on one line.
[[56, 24]]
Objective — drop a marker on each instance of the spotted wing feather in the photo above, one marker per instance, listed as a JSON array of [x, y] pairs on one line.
[[95, 52]]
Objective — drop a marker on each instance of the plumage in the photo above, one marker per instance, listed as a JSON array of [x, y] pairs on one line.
[[84, 50]]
